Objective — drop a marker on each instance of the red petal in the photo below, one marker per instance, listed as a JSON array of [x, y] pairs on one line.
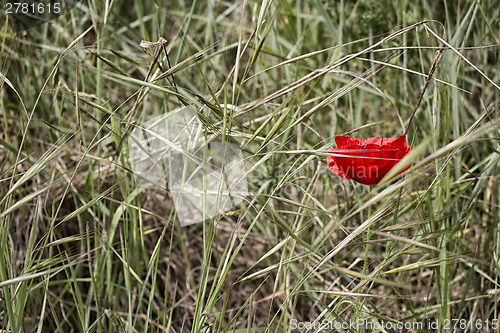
[[332, 164], [375, 141], [395, 142], [344, 141], [383, 154]]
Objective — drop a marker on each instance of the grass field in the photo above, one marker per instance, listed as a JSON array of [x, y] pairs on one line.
[[83, 248]]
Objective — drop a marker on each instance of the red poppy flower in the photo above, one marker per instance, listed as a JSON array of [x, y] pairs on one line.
[[376, 158]]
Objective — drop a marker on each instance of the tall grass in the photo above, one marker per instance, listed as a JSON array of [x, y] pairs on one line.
[[84, 249]]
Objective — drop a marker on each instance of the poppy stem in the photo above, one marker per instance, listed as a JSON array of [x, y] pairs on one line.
[[368, 231], [365, 264], [369, 198]]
